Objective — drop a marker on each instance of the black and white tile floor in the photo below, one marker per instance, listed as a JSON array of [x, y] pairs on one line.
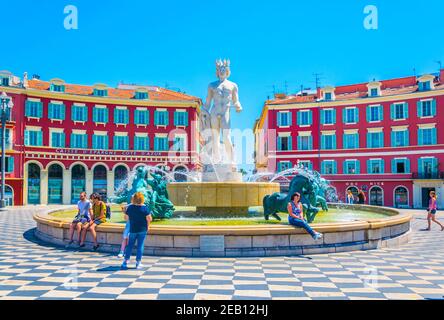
[[30, 269]]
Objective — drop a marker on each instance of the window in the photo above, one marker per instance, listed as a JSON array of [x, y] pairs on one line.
[[305, 118], [328, 141], [56, 111], [306, 164], [328, 96], [121, 116], [305, 143], [160, 143], [284, 165], [351, 167], [375, 166], [4, 81], [351, 141], [181, 118], [33, 109], [284, 143], [284, 119], [428, 167], [8, 139], [57, 88], [328, 116], [100, 92], [33, 138], [424, 86], [179, 143], [9, 164], [141, 143], [328, 167], [79, 113], [427, 136], [375, 113], [79, 140], [100, 115], [100, 142], [399, 111], [350, 115], [427, 108], [121, 143], [141, 95], [401, 197], [400, 166], [141, 117], [375, 140], [160, 118], [57, 139], [400, 138], [374, 92]]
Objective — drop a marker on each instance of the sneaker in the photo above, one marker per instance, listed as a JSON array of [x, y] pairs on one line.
[[318, 236], [69, 244], [120, 255], [124, 266], [139, 265]]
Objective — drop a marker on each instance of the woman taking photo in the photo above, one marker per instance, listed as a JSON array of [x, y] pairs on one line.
[[296, 216], [139, 216]]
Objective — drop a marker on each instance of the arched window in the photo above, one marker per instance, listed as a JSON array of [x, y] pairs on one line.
[[354, 191], [376, 196], [120, 175], [99, 181], [178, 174], [33, 184], [9, 196], [55, 184], [401, 197], [78, 182]]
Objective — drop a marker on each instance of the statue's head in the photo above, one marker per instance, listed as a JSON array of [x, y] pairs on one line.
[[223, 69]]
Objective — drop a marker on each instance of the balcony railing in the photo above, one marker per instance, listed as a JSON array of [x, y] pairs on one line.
[[428, 175]]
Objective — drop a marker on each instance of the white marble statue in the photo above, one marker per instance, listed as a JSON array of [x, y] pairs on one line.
[[215, 118]]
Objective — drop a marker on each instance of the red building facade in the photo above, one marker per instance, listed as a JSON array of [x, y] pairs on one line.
[[65, 138], [384, 136]]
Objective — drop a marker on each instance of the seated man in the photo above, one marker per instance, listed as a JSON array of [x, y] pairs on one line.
[[99, 217], [83, 217]]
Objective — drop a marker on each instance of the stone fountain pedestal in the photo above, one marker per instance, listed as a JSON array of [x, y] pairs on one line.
[[221, 173]]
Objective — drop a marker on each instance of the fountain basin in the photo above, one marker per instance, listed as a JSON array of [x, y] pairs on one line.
[[391, 230], [220, 198]]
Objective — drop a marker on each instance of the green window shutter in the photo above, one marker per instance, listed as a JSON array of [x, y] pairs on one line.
[[382, 163], [356, 115], [156, 119], [434, 136], [95, 114], [50, 110], [393, 138], [72, 140], [369, 166], [334, 142], [126, 116], [369, 113], [358, 167], [419, 108], [381, 112], [73, 112], [421, 165], [407, 165], [84, 113], [299, 118], [406, 110], [310, 143], [176, 115], [322, 116], [344, 115], [106, 115], [40, 138], [434, 107], [335, 167], [40, 109], [322, 141], [136, 117], [116, 111], [392, 111], [290, 143], [26, 138], [334, 116], [156, 143], [406, 138], [115, 142], [368, 140], [420, 137], [299, 142], [381, 140], [310, 117], [27, 108], [10, 167], [394, 167], [185, 115], [94, 141], [344, 167], [279, 143]]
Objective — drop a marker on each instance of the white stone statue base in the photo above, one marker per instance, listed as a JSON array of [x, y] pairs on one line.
[[221, 173]]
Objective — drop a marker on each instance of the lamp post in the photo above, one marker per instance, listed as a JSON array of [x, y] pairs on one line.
[[5, 102]]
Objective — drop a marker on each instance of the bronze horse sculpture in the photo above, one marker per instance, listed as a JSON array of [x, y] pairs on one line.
[[311, 196]]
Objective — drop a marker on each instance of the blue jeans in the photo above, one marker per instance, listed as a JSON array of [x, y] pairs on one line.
[[133, 237], [301, 224]]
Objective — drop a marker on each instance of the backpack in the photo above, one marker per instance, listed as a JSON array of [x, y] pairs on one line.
[[108, 212]]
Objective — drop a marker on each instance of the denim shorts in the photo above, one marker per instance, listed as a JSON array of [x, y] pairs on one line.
[[81, 220], [126, 232], [433, 211]]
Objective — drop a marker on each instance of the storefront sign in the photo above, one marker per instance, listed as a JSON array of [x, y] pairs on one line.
[[109, 152]]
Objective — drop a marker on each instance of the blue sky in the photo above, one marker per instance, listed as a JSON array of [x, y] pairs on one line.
[[268, 42]]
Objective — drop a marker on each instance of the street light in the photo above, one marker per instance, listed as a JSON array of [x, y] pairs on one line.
[[5, 102]]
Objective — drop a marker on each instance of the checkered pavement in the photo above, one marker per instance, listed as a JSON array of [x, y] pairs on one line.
[[30, 269]]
